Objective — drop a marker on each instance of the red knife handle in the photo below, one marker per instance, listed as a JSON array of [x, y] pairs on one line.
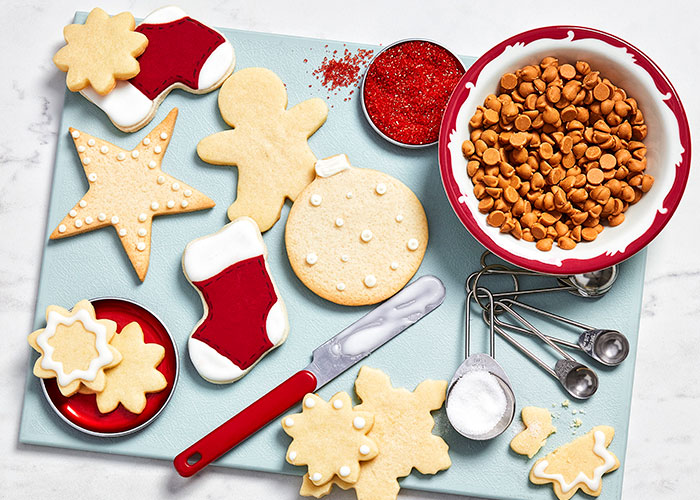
[[247, 422]]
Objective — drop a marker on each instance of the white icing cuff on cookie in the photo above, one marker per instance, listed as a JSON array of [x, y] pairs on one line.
[[208, 256], [276, 324], [164, 15], [125, 105], [332, 165], [216, 66]]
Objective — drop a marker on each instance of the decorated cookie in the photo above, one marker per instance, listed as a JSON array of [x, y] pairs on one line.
[[130, 381], [330, 437], [538, 426], [127, 189], [403, 433], [268, 144], [244, 316], [355, 236], [75, 348], [579, 464], [100, 52], [182, 54]]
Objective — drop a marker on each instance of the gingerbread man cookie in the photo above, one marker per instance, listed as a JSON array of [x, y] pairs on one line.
[[579, 464], [127, 189], [75, 348], [538, 426], [182, 53], [268, 144], [330, 437]]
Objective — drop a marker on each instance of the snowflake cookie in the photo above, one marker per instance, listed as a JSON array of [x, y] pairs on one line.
[[75, 348], [330, 437]]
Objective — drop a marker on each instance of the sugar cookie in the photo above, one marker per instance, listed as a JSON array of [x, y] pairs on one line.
[[74, 348], [127, 189], [244, 315], [100, 52], [579, 464], [538, 426], [403, 433], [330, 437], [268, 144], [182, 53], [355, 236]]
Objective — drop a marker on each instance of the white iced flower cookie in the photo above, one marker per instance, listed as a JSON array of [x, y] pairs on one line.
[[244, 316], [355, 236]]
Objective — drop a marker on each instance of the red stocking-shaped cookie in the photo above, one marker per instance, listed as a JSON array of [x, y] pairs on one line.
[[244, 316], [181, 53]]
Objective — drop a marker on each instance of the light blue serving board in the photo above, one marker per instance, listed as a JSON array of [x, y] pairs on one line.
[[94, 265]]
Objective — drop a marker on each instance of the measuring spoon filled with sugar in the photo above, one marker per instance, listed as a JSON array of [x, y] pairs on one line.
[[480, 400]]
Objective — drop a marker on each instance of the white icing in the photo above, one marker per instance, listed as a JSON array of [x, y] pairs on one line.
[[142, 232], [101, 217], [146, 141], [86, 161], [163, 135], [337, 404], [394, 265], [82, 203], [157, 149], [187, 193], [331, 166], [104, 150], [292, 455], [62, 228], [184, 203], [399, 218], [141, 246], [344, 471], [412, 244], [339, 222], [348, 195], [135, 153], [122, 232], [289, 422], [81, 149], [91, 142], [214, 367], [345, 257], [175, 186], [358, 423], [340, 286], [164, 15], [315, 199], [593, 483], [104, 355], [155, 205], [309, 402], [78, 223], [366, 235], [170, 204], [88, 220], [125, 105], [152, 164], [381, 188], [364, 449], [115, 220], [216, 66], [121, 156], [276, 324], [161, 179], [316, 477], [370, 281], [73, 213], [93, 176], [75, 134], [392, 316], [142, 217], [311, 258]]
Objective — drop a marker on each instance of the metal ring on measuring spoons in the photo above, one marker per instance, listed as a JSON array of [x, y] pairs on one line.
[[476, 276]]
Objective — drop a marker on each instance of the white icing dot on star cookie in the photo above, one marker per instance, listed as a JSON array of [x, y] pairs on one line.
[[75, 134], [82, 203], [175, 186], [399, 218], [86, 161], [78, 223], [122, 232], [155, 206], [101, 217], [88, 220], [81, 149], [316, 477], [62, 228], [309, 402], [364, 449], [358, 423], [394, 266], [91, 142], [345, 258], [157, 149], [142, 232], [104, 150], [115, 220], [315, 199], [146, 141], [344, 471], [292, 456], [170, 204], [92, 177], [152, 164], [348, 195], [337, 404], [187, 193], [366, 235], [135, 153], [289, 422], [161, 179], [143, 217], [184, 203], [141, 246], [339, 221], [121, 156], [163, 135], [73, 213]]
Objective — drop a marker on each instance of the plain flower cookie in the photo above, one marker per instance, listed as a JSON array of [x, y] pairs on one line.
[[182, 53], [100, 52], [75, 348], [538, 426], [330, 438], [244, 316], [126, 189], [579, 464], [355, 236], [268, 143]]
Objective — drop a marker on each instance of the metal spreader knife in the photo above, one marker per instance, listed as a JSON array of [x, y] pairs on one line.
[[330, 359]]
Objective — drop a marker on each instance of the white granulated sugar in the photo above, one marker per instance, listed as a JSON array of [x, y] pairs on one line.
[[476, 403]]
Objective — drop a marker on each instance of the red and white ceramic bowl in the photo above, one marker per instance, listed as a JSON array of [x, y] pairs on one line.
[[668, 144]]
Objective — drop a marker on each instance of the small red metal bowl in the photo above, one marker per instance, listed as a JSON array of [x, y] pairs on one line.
[[80, 410], [668, 145]]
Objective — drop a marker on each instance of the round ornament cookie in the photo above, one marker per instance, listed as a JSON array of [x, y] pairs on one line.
[[355, 236]]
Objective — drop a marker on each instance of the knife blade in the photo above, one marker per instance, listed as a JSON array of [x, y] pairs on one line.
[[329, 360]]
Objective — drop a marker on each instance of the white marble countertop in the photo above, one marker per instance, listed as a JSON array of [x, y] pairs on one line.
[[664, 439]]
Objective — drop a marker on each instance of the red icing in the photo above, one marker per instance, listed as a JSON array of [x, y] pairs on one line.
[[176, 53], [238, 298]]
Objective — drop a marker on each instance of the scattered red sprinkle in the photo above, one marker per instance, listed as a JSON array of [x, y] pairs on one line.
[[407, 88], [337, 72]]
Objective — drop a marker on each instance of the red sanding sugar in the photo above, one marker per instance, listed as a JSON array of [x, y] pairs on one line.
[[407, 88], [340, 71]]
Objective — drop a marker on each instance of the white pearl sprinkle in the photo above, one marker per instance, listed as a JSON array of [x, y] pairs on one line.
[[62, 228], [364, 450], [345, 257], [134, 154], [142, 217], [75, 134], [88, 220], [187, 193], [339, 221], [122, 232], [366, 235], [81, 149], [86, 161], [289, 421], [337, 404], [184, 203], [91, 142], [311, 258], [344, 471], [161, 179], [399, 218], [155, 205], [104, 150], [78, 223], [101, 217], [146, 141], [142, 232], [309, 402], [170, 204], [92, 177], [412, 244], [292, 456], [82, 203], [141, 246], [315, 200], [73, 213], [394, 265], [348, 195], [121, 156], [381, 188], [115, 220], [152, 164], [370, 281], [316, 477], [175, 186], [358, 423], [163, 135], [340, 286], [157, 149]]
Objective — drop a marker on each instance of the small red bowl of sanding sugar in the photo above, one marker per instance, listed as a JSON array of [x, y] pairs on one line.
[[406, 88]]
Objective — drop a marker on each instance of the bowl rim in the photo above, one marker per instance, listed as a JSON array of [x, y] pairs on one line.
[[570, 265]]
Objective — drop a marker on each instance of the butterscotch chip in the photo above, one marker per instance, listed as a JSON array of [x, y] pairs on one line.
[[566, 243], [546, 151], [509, 81], [523, 122], [538, 231], [496, 218], [518, 140], [467, 148], [595, 176], [545, 244], [491, 156], [607, 161], [510, 194], [567, 71], [601, 92], [589, 233]]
